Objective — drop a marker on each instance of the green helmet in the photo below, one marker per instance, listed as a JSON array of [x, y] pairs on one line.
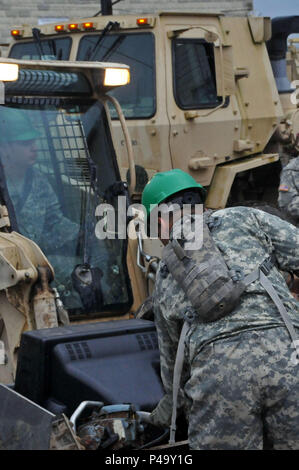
[[165, 184], [15, 125]]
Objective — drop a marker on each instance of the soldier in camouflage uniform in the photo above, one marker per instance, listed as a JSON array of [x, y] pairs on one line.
[[38, 214], [288, 199], [37, 209], [240, 378]]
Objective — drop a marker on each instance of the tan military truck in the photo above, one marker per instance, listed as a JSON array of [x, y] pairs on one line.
[[203, 96], [284, 64]]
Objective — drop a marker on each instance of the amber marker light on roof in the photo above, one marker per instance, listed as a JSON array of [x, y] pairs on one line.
[[116, 77], [16, 33], [88, 25], [9, 72], [59, 28], [142, 21], [73, 26]]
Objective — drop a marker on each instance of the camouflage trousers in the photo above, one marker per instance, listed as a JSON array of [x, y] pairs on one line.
[[243, 391]]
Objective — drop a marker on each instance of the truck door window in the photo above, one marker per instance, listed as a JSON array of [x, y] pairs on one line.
[[58, 160], [52, 49], [138, 99], [194, 74]]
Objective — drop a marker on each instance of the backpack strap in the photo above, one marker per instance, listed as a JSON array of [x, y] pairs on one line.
[[179, 361], [178, 367], [268, 286], [265, 267], [261, 274]]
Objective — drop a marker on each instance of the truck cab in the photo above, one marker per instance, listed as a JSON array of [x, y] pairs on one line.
[[203, 96], [58, 165]]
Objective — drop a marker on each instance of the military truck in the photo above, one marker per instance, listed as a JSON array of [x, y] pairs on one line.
[[205, 95], [284, 65]]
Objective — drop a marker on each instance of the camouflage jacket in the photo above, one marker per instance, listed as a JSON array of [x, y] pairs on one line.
[[288, 198], [245, 237], [39, 214]]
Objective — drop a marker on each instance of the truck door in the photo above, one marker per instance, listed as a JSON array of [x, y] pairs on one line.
[[202, 122]]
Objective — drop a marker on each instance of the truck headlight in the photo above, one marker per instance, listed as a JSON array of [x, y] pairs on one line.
[[116, 77], [9, 72]]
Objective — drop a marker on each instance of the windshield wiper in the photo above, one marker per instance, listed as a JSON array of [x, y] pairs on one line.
[[36, 37], [111, 25], [39, 44], [112, 48], [52, 47]]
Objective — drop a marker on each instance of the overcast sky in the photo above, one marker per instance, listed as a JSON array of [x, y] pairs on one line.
[[276, 7]]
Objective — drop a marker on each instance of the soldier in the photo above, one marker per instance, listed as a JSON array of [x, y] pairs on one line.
[[239, 383], [36, 206], [37, 211], [288, 199]]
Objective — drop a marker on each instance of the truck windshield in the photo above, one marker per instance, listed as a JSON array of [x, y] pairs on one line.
[[52, 49], [58, 163], [138, 99]]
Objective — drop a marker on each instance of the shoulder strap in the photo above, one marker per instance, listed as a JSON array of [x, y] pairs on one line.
[[261, 274], [179, 361], [268, 286]]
